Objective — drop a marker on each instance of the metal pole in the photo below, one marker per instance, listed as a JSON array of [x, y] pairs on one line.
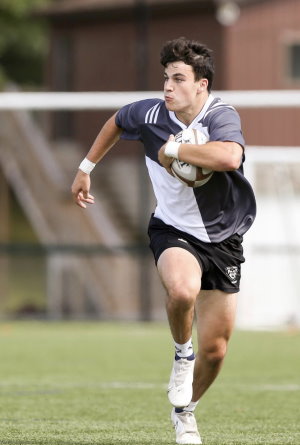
[[142, 23]]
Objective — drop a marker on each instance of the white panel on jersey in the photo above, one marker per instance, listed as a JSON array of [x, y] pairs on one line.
[[176, 203]]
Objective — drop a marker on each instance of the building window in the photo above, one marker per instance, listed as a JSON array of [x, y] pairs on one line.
[[291, 60], [62, 80], [294, 61]]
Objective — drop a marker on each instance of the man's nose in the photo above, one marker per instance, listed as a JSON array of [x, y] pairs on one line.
[[168, 85]]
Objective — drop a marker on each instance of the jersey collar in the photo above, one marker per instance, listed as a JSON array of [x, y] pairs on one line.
[[173, 117]]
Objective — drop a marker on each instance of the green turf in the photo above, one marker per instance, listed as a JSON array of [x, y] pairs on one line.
[[99, 383]]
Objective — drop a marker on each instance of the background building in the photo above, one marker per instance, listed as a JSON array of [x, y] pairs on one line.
[[96, 45]]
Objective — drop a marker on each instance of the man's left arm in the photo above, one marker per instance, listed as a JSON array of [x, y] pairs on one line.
[[214, 155]]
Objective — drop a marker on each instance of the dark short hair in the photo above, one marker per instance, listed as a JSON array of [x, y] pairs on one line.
[[192, 53]]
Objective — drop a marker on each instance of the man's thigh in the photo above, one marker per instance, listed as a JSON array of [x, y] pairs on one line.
[[178, 267], [215, 315]]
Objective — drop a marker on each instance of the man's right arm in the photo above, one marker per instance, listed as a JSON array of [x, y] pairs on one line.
[[106, 139]]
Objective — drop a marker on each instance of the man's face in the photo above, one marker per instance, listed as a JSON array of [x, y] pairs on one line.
[[181, 90]]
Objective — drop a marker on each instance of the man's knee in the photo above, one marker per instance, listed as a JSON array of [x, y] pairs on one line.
[[214, 352], [182, 295]]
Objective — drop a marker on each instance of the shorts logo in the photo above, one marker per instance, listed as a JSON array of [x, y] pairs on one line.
[[232, 272], [183, 240]]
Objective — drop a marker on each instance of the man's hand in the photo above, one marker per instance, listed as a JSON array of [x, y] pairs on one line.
[[81, 188], [166, 161]]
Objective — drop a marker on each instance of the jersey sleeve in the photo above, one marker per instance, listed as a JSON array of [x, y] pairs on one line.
[[130, 118], [225, 125]]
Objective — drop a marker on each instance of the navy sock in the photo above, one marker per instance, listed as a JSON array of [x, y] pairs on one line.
[[190, 357]]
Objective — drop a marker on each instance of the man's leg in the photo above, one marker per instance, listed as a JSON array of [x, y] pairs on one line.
[[180, 274], [215, 313]]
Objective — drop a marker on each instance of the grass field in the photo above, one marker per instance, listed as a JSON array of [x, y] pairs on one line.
[[100, 383]]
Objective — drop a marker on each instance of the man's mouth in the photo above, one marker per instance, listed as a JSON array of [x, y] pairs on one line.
[[168, 99]]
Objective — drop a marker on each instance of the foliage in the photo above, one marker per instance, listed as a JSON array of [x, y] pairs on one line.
[[22, 42]]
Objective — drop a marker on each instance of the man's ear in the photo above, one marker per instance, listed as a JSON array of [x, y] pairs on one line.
[[203, 83]]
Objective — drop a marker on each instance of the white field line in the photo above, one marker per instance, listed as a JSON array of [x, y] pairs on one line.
[[279, 387], [245, 387], [131, 385], [46, 387]]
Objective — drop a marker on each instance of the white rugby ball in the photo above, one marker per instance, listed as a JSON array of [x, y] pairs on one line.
[[191, 175]]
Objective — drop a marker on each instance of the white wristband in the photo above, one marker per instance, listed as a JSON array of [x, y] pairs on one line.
[[172, 149], [86, 166]]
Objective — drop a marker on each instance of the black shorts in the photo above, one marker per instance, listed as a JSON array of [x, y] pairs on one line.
[[220, 262]]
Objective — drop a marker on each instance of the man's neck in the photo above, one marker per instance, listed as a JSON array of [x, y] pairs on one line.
[[187, 116]]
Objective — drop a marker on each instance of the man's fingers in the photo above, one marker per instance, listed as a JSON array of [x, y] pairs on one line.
[[80, 200], [90, 199], [87, 196], [169, 170], [84, 197]]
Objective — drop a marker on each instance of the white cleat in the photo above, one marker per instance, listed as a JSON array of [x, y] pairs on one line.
[[180, 389], [186, 428]]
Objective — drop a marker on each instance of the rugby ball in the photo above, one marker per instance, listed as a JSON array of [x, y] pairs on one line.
[[190, 175]]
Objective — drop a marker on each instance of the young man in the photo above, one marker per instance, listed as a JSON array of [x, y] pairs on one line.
[[195, 233]]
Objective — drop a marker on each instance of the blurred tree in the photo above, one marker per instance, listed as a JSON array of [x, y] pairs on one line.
[[22, 42]]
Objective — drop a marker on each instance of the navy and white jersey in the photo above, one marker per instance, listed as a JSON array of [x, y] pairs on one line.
[[225, 205]]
